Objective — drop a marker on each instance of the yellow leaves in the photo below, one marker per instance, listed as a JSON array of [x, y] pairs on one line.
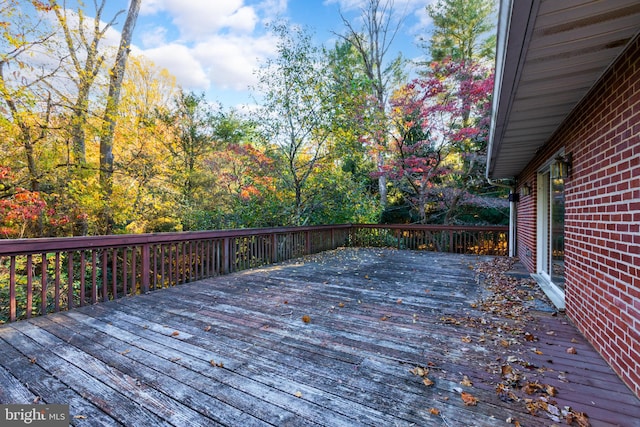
[[306, 318], [422, 372], [216, 365], [469, 399], [466, 381], [434, 411], [466, 339]]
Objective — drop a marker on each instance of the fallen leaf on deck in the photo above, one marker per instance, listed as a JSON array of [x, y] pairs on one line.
[[466, 339], [529, 337], [80, 417], [125, 352], [551, 333], [340, 304], [469, 399], [175, 333], [504, 343], [421, 372], [551, 390], [33, 360], [573, 340], [384, 318], [399, 301], [306, 318], [466, 382], [572, 350], [578, 417], [427, 382], [207, 328], [506, 370], [434, 411], [298, 394]]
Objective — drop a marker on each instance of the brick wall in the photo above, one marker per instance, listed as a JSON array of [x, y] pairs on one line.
[[602, 217]]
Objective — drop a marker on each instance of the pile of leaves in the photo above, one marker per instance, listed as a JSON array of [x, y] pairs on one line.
[[508, 300]]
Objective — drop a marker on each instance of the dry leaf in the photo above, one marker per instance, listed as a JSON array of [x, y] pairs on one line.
[[551, 390], [125, 352], [421, 372], [399, 301], [384, 318], [212, 362], [469, 399], [529, 337], [506, 370], [434, 411], [33, 360], [286, 302], [504, 343], [207, 328], [427, 382], [466, 382], [466, 339], [532, 388], [340, 304], [175, 333], [298, 394], [578, 417], [572, 350], [80, 417], [306, 318], [551, 333], [573, 340]]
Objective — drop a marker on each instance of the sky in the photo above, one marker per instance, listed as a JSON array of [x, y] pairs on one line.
[[214, 46]]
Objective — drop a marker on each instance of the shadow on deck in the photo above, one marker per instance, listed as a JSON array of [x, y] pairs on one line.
[[235, 350]]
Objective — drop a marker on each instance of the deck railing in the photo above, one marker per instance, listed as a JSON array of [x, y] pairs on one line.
[[40, 276]]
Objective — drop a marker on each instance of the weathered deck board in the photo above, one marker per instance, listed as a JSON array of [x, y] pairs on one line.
[[375, 314]]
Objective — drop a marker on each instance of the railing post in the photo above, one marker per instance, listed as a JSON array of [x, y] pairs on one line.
[[226, 249], [146, 265], [12, 290], [274, 247], [307, 243]]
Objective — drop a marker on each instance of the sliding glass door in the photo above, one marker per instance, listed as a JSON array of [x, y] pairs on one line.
[[551, 229]]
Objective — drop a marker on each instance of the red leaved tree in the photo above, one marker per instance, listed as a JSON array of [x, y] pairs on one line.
[[441, 123]]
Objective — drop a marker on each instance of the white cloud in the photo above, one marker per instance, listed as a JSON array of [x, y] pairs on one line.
[[180, 62], [196, 19]]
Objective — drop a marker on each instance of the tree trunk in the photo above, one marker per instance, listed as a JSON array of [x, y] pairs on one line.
[[111, 110]]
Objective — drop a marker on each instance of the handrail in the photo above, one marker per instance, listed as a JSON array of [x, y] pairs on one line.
[[39, 276]]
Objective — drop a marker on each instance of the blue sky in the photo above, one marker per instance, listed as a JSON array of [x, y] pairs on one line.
[[214, 46]]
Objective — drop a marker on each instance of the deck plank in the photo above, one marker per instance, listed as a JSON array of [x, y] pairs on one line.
[[375, 314]]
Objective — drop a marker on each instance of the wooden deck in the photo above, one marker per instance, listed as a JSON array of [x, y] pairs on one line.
[[235, 350]]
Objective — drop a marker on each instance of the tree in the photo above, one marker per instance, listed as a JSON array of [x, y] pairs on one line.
[[116, 75], [189, 139], [296, 113], [463, 30], [20, 36], [372, 43], [442, 123]]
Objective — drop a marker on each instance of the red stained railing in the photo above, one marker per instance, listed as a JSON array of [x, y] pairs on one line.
[[40, 276]]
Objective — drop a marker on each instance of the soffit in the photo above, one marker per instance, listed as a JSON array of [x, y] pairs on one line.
[[550, 55]]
